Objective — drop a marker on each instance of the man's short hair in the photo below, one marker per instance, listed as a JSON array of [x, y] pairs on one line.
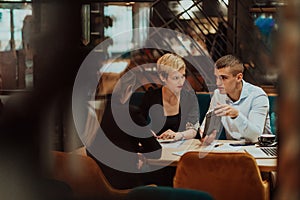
[[235, 65]]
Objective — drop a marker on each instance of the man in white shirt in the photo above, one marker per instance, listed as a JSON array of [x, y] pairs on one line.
[[243, 107]]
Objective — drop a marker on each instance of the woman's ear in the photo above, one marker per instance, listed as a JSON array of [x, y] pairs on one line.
[[162, 78]]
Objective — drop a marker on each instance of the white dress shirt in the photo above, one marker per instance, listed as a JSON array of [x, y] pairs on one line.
[[253, 119]]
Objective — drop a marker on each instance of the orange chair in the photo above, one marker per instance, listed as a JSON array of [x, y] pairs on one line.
[[86, 180], [84, 176], [223, 175]]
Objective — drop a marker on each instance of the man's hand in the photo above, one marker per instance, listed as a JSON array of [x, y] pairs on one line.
[[226, 110], [208, 139]]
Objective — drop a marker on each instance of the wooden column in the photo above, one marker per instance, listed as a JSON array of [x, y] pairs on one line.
[[288, 59]]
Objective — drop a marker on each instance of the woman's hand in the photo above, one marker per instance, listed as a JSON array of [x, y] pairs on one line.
[[141, 160], [168, 134]]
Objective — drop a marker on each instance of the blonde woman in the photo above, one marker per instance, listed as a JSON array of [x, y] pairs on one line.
[[178, 116]]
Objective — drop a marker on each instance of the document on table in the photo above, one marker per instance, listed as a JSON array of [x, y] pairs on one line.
[[226, 148], [180, 153], [214, 147], [172, 144]]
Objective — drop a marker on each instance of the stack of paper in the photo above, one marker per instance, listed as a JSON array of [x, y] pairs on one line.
[[215, 147]]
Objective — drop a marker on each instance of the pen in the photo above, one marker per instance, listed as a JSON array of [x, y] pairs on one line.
[[242, 144], [154, 134], [217, 145]]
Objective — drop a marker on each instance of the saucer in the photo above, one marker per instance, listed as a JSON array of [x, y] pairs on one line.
[[268, 145]]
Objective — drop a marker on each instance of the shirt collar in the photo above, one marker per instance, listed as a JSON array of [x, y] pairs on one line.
[[244, 92]]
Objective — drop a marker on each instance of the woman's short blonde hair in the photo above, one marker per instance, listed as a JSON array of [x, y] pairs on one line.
[[168, 63]]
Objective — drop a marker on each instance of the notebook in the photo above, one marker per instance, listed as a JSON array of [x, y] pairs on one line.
[[212, 122], [262, 152], [166, 140]]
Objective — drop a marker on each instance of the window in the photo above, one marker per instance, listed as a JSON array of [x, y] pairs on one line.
[[5, 34], [16, 65], [122, 20]]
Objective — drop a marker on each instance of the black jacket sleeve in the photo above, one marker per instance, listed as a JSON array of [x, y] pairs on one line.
[[150, 147]]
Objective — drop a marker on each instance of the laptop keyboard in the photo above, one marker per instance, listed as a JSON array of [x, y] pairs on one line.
[[269, 151]]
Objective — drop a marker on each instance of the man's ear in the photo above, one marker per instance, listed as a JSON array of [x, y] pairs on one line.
[[239, 76]]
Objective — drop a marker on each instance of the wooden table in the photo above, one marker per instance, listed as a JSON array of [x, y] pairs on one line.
[[169, 158]]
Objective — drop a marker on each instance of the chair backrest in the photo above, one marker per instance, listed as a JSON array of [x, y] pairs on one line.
[[273, 112], [83, 175], [223, 175], [204, 102], [166, 193]]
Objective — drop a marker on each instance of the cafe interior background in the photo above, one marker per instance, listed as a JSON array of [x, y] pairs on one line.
[[43, 43]]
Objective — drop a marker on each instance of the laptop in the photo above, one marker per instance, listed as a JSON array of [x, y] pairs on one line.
[[212, 122], [262, 152]]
